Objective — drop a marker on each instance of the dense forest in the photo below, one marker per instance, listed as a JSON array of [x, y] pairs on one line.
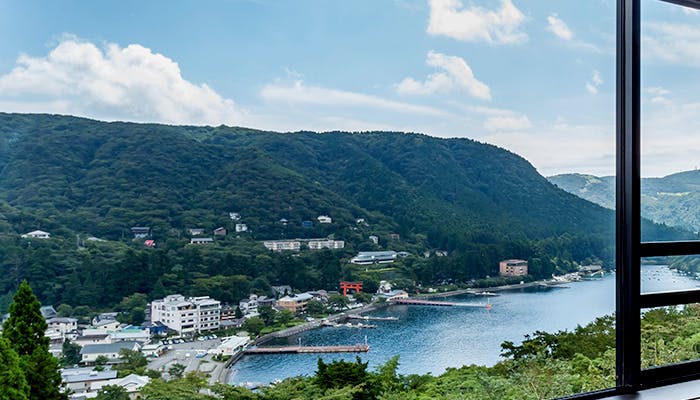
[[82, 180]]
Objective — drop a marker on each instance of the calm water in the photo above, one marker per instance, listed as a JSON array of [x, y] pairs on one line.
[[431, 339]]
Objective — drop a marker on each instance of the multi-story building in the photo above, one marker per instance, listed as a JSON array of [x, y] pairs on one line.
[[282, 245], [187, 315], [326, 244], [513, 268], [296, 303]]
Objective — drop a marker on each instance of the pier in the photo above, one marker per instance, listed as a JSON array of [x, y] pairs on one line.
[[371, 318], [440, 303], [358, 348]]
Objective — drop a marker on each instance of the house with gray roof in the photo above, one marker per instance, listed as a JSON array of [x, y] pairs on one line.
[[90, 352]]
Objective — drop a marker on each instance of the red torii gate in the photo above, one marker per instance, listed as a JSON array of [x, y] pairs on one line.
[[356, 286]]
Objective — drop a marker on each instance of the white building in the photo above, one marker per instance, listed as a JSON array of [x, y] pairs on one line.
[[90, 352], [37, 235], [61, 326], [241, 227], [371, 257], [187, 315], [231, 345], [201, 241], [86, 379], [326, 244], [282, 245], [324, 219], [234, 216]]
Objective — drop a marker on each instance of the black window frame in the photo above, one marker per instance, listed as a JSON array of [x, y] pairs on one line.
[[630, 248]]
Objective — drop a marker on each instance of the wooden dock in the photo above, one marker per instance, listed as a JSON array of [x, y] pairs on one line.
[[440, 303], [358, 348]]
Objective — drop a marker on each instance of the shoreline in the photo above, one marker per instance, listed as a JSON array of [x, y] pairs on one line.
[[307, 326], [226, 371]]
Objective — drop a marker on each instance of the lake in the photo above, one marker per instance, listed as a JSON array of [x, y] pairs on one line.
[[429, 339]]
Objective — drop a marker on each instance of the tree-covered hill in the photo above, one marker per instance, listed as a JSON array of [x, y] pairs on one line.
[[673, 200], [73, 176]]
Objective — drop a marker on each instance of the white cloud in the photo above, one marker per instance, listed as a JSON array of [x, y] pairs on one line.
[[131, 83], [457, 75], [451, 18], [670, 137], [672, 43], [560, 147], [507, 123], [559, 28], [298, 92], [594, 83]]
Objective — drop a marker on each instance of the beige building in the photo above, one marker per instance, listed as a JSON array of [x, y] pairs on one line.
[[295, 304], [513, 268]]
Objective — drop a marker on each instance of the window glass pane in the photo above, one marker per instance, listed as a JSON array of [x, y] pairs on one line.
[[670, 335], [670, 105], [664, 274]]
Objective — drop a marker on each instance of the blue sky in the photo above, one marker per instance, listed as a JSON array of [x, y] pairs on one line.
[[533, 76]]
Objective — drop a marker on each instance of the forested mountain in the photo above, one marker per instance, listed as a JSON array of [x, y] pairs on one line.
[[73, 176], [672, 200]]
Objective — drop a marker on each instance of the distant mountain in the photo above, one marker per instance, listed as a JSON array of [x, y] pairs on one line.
[[73, 176], [673, 200]]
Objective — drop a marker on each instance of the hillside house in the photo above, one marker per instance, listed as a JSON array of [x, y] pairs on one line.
[[234, 216], [284, 221], [201, 241], [282, 290], [149, 243], [307, 224], [36, 235], [141, 232], [241, 228], [324, 219], [221, 231], [374, 239], [395, 236], [512, 268], [196, 231], [48, 312]]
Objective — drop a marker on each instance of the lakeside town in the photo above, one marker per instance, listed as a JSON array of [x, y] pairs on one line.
[[185, 334]]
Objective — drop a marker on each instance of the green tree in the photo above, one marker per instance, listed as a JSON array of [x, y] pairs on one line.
[[24, 330], [132, 309], [101, 360], [238, 313], [315, 307], [284, 317], [133, 362], [254, 325], [267, 314], [70, 353], [187, 388], [13, 385], [338, 302], [112, 392], [176, 370], [339, 374]]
